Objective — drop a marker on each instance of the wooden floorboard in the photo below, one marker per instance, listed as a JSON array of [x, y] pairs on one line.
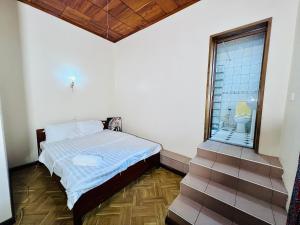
[[39, 201]]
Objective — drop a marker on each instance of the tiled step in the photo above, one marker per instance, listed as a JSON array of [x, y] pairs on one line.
[[185, 211], [230, 203], [263, 164], [232, 182], [209, 217], [175, 161], [237, 174]]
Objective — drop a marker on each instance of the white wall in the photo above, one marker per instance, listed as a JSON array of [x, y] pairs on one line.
[[161, 72], [5, 203], [53, 50], [290, 141], [12, 85]]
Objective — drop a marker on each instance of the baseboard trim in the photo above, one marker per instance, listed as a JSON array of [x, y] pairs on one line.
[[9, 221], [175, 161], [23, 166], [182, 174]]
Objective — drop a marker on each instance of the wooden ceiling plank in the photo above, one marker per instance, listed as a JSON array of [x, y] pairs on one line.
[[167, 5], [124, 14], [151, 11], [103, 30], [76, 16], [88, 8], [122, 28], [101, 20], [116, 7], [96, 28], [183, 2], [136, 4], [134, 20], [112, 4], [99, 16], [54, 6], [100, 3], [84, 6]]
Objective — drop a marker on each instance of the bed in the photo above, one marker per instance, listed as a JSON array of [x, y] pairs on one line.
[[119, 159]]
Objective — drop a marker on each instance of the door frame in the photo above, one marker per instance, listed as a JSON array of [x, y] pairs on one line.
[[243, 31]]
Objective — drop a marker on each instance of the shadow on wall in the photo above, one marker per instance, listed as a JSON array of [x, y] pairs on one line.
[[12, 88]]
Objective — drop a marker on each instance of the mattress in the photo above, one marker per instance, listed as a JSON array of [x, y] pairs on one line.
[[117, 150]]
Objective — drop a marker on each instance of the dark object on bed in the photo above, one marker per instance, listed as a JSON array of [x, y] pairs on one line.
[[294, 210], [97, 195], [114, 123]]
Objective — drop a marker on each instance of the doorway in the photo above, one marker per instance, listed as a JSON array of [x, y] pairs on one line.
[[235, 88]]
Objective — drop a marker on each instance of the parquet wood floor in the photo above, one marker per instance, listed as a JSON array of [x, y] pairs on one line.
[[39, 201]]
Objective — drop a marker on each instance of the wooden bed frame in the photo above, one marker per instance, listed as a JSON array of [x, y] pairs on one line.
[[97, 195]]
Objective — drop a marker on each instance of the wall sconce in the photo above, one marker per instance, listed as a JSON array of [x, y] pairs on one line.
[[72, 84]]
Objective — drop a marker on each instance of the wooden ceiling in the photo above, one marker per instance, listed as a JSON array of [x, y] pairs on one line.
[[124, 17]]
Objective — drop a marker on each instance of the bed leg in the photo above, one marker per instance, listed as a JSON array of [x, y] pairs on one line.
[[157, 162], [157, 166], [77, 220]]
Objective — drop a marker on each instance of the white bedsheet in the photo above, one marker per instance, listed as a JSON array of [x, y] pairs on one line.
[[118, 150]]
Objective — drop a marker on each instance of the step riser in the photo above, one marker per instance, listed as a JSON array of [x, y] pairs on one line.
[[222, 208], [200, 171], [279, 199], [246, 219], [224, 179], [206, 154], [245, 186], [264, 169], [191, 193], [207, 201], [174, 219]]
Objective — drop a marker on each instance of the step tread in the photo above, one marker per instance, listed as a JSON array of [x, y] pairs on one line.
[[240, 152], [196, 182], [252, 206], [209, 145], [185, 208], [203, 161], [251, 155], [278, 185], [221, 192], [280, 215], [209, 217]]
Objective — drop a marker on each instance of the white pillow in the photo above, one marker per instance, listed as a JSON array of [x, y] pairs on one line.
[[62, 131], [89, 127]]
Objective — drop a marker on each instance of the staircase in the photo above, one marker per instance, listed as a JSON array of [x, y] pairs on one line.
[[230, 185]]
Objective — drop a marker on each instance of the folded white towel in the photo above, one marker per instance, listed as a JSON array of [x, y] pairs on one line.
[[87, 160]]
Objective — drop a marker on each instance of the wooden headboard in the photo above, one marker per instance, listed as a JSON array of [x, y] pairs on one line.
[[41, 135]]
